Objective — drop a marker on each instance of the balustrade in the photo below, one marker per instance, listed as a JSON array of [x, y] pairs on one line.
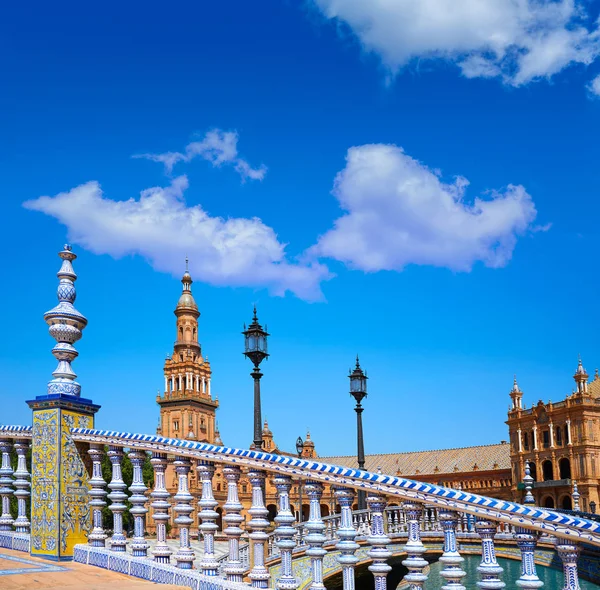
[[376, 526]]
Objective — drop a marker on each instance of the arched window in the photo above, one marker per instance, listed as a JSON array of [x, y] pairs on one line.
[[564, 467], [559, 436], [566, 503], [548, 502], [525, 441], [547, 470]]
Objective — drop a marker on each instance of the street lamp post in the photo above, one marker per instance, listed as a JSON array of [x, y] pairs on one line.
[[299, 448], [358, 390], [255, 341]]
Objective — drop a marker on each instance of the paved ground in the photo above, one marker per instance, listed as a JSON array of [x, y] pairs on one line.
[[19, 571]]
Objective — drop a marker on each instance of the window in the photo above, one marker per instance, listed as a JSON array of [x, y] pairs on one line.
[[244, 488], [558, 436], [579, 431], [525, 441], [581, 466], [546, 438], [591, 429], [175, 424]]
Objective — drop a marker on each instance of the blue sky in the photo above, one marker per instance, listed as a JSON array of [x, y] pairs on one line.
[[319, 152]]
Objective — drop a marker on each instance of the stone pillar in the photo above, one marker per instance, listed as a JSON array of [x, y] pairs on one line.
[[527, 541], [139, 545], [414, 547], [60, 513], [160, 507], [284, 533], [346, 533], [117, 496], [488, 568], [379, 541], [568, 551], [451, 558], [315, 537], [209, 563], [183, 509], [6, 485], [97, 493], [258, 526], [22, 486], [233, 569]]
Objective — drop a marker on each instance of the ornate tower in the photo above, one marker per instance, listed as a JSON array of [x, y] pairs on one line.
[[187, 408], [581, 378], [516, 395]]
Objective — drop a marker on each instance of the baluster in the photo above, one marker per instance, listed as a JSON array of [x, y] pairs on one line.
[[6, 482], [258, 526], [526, 541], [184, 555], [233, 569], [315, 537], [346, 534], [379, 541], [22, 486], [160, 507], [97, 494], [209, 563], [489, 569], [117, 496], [414, 547], [139, 545], [568, 551], [284, 533], [451, 559]]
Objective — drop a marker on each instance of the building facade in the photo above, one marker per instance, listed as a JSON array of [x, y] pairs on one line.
[[561, 442]]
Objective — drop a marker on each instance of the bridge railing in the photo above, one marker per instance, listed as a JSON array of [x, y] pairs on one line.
[[420, 509]]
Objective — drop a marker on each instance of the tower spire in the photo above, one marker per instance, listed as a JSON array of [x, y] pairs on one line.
[[66, 325], [516, 395], [580, 377]]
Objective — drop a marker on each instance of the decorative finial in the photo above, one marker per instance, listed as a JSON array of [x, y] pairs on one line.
[[187, 267], [357, 362], [576, 496], [515, 385], [66, 325], [528, 482], [254, 316]]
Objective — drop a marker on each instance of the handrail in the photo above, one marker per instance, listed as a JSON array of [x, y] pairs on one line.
[[535, 518]]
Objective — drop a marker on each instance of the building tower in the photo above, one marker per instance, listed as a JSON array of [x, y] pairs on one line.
[[187, 408], [581, 378], [516, 395]]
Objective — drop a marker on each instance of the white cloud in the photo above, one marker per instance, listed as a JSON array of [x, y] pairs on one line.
[[399, 212], [517, 40], [218, 147], [594, 86], [162, 228]]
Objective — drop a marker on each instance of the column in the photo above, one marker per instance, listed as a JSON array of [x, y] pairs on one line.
[[22, 486], [139, 545], [346, 534], [209, 564], [184, 556], [234, 570], [520, 438], [208, 386], [117, 497], [379, 541], [197, 382], [451, 558], [160, 507], [488, 568], [166, 384], [569, 439], [179, 377], [315, 537], [414, 547], [551, 427], [284, 533], [97, 494], [258, 526], [6, 483], [568, 551], [535, 441], [526, 541]]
